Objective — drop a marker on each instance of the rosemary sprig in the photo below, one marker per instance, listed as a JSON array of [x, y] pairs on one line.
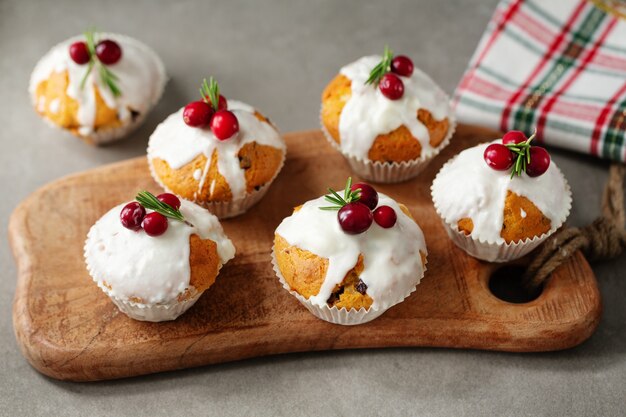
[[382, 68], [522, 150], [150, 202], [210, 92], [110, 79], [106, 75], [339, 201]]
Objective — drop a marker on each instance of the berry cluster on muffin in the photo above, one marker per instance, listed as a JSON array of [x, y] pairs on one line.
[[387, 117], [99, 86]]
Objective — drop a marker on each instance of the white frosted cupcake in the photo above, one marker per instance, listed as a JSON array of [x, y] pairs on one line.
[[154, 257], [97, 86], [223, 157], [500, 200], [386, 117], [349, 258]]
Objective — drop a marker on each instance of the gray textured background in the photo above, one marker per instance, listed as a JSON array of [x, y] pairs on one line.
[[278, 56]]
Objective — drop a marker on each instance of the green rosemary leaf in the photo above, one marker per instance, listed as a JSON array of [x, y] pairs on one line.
[[347, 191], [107, 76], [333, 200], [149, 201], [91, 41], [111, 74], [337, 195], [522, 152], [84, 80], [210, 92], [349, 196], [383, 67], [109, 79]]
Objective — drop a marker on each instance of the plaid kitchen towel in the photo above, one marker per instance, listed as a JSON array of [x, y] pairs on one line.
[[558, 66]]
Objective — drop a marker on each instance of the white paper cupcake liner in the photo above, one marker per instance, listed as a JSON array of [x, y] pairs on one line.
[[152, 312], [343, 316], [226, 209], [112, 134], [385, 172], [493, 251], [108, 135], [140, 311]]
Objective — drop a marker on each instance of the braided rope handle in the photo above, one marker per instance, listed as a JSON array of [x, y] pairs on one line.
[[605, 238]]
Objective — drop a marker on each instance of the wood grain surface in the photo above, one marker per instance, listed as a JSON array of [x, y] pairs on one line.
[[68, 329]]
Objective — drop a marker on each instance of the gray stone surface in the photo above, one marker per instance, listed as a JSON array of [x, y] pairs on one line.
[[278, 56]]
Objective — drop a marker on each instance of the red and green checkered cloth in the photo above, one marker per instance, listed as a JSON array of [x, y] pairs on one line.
[[558, 66]]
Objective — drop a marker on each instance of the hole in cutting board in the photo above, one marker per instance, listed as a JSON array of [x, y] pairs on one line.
[[506, 284]]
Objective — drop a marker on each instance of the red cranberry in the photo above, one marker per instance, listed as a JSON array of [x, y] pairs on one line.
[[385, 216], [402, 65], [355, 218], [108, 52], [539, 161], [498, 157], [197, 114], [513, 137], [155, 224], [224, 124], [368, 194], [132, 215], [391, 86], [79, 52], [169, 199]]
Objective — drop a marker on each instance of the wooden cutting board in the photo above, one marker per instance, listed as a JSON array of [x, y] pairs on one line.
[[68, 329]]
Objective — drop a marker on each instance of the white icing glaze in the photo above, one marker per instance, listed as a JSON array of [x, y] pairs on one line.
[[391, 257], [467, 188], [179, 144], [156, 269], [54, 105], [368, 113], [197, 174], [140, 72]]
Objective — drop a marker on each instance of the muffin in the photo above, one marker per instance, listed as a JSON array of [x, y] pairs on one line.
[[98, 86], [386, 117], [348, 258], [154, 257], [500, 200], [222, 157]]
